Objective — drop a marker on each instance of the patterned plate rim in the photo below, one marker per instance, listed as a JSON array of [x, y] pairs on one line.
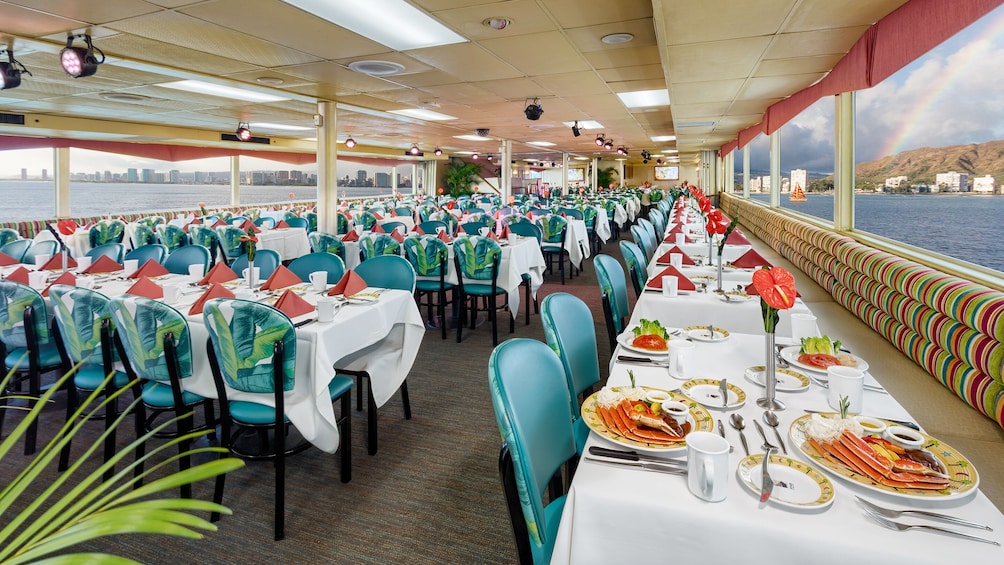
[[752, 463], [723, 331], [703, 422], [804, 380], [740, 393]]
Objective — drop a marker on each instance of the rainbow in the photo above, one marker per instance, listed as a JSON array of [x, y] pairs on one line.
[[984, 41]]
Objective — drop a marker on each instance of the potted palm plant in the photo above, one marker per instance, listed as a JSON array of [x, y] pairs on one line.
[[460, 176]]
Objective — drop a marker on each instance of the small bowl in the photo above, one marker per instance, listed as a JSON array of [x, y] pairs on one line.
[[904, 437], [678, 410], [657, 396], [872, 426]]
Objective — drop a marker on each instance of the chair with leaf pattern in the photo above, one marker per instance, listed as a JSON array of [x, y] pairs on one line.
[[589, 215], [554, 231], [376, 244], [114, 251], [611, 207], [107, 231], [634, 258], [311, 218], [154, 343], [613, 294], [16, 249], [172, 236], [39, 248], [252, 350], [365, 219], [8, 235], [342, 224], [27, 347], [206, 237], [230, 242], [327, 243], [143, 233], [477, 261], [426, 211], [430, 257]]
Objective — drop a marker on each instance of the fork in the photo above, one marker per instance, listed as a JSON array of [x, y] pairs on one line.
[[903, 527], [780, 360], [891, 513]]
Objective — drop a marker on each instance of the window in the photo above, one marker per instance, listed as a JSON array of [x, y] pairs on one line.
[[26, 185]]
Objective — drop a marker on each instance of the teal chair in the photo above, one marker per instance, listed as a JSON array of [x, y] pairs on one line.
[[230, 242], [253, 350], [206, 237], [530, 397], [365, 219], [45, 247], [426, 211], [568, 329], [554, 231], [527, 229], [296, 222], [8, 235], [650, 234], [404, 211], [658, 220], [431, 227], [610, 205], [589, 216], [84, 322], [172, 236], [265, 222], [642, 240], [342, 225], [377, 244], [613, 294], [477, 260], [429, 255], [16, 249], [393, 225], [27, 347], [321, 242], [107, 231], [571, 213], [472, 228], [634, 258], [320, 261], [154, 343], [311, 218], [180, 259], [143, 233], [114, 251], [144, 253], [267, 261]]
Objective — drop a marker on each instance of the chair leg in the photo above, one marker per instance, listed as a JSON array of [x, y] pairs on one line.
[[280, 481], [493, 318], [346, 437], [527, 301], [72, 401], [405, 400], [35, 391], [463, 314], [111, 409], [442, 310], [371, 422]]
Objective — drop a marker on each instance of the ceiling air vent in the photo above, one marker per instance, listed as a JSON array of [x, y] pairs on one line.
[[376, 68], [17, 119]]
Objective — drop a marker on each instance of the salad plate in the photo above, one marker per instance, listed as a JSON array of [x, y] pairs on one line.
[[626, 338], [791, 354], [699, 420], [786, 380], [708, 392], [796, 485], [702, 333]]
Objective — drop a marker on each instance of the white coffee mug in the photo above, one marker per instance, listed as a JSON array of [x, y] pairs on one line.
[[483, 232], [845, 382], [676, 260], [41, 259], [680, 238], [803, 324], [679, 351], [83, 263], [325, 309], [130, 266], [319, 280], [196, 272], [172, 293], [359, 230], [256, 272], [513, 239], [37, 278], [708, 466], [85, 282], [670, 285]]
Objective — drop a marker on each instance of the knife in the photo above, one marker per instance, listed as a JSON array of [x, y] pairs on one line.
[[633, 456], [766, 483], [643, 360], [724, 387], [721, 432], [906, 423], [641, 465]]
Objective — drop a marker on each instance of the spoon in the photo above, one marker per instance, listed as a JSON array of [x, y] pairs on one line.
[[739, 424], [770, 418]]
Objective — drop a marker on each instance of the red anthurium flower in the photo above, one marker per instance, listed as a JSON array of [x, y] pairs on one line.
[[705, 204], [717, 222], [776, 287]]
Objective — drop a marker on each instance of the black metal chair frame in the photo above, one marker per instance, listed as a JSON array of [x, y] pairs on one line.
[[507, 475], [491, 309], [551, 253], [440, 305]]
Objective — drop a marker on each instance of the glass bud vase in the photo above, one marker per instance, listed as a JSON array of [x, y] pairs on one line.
[[769, 402], [720, 290]]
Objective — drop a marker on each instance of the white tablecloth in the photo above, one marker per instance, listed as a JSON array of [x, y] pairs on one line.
[[602, 224], [290, 243], [577, 241]]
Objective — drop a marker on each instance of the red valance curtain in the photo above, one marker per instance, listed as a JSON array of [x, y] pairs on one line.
[[886, 47]]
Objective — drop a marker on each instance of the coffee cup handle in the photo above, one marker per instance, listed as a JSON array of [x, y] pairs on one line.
[[706, 474]]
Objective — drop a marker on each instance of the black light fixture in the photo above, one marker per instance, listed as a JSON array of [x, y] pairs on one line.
[[600, 141], [575, 129], [243, 131], [79, 61], [609, 144], [349, 142], [10, 72], [438, 152], [414, 149], [533, 110], [658, 161], [621, 150]]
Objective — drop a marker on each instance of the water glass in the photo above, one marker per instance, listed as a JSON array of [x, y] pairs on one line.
[[803, 324], [679, 351], [676, 260], [846, 382], [670, 285], [196, 272]]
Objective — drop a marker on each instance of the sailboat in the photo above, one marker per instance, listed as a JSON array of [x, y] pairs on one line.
[[797, 195]]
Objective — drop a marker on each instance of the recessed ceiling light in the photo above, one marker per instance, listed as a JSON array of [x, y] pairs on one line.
[[496, 23], [582, 158], [663, 138], [616, 38], [670, 150], [270, 81], [695, 124], [541, 143], [394, 23], [473, 137], [643, 98], [376, 68], [124, 97], [267, 125], [422, 114], [222, 91], [586, 124]]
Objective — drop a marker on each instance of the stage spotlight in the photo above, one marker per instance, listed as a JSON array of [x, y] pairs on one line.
[[10, 72], [438, 152], [243, 131], [575, 130], [533, 110], [608, 145], [475, 156], [78, 61], [621, 150], [600, 141], [414, 149], [658, 161], [489, 157], [350, 143], [553, 164]]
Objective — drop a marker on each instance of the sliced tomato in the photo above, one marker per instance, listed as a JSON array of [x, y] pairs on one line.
[[651, 342], [820, 360]]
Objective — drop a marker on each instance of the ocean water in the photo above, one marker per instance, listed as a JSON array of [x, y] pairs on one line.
[[964, 226]]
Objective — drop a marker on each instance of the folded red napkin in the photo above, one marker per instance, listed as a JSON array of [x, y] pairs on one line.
[[56, 263], [195, 221], [149, 269], [492, 235], [281, 224], [214, 291], [220, 223], [529, 216], [451, 205], [665, 258], [418, 230], [351, 236], [7, 260], [377, 215], [397, 236], [65, 278], [66, 227], [445, 237], [505, 232], [750, 260], [736, 238], [103, 264], [684, 283], [20, 275], [146, 288], [292, 305], [249, 225], [221, 273], [349, 284], [281, 278], [377, 228]]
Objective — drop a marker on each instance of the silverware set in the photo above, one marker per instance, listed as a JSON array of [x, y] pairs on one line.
[[882, 516]]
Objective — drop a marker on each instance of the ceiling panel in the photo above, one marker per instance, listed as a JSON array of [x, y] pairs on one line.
[[525, 17], [636, 72], [846, 13], [575, 13], [716, 60], [713, 20], [776, 86], [809, 43], [588, 39], [572, 84], [467, 61], [90, 11], [538, 54], [20, 21], [610, 58]]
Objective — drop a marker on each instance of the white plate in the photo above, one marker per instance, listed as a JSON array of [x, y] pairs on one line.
[[796, 485], [365, 299], [787, 380], [627, 337], [708, 393], [790, 354], [734, 298], [700, 333]]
